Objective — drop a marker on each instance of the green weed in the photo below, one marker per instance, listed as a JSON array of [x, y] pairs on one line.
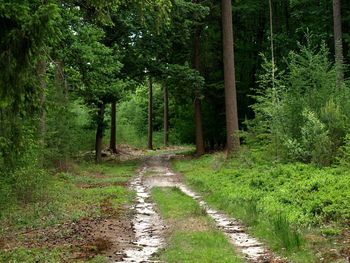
[[193, 236], [277, 201], [69, 197]]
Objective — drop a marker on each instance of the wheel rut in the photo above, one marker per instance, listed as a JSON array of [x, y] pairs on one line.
[[149, 227]]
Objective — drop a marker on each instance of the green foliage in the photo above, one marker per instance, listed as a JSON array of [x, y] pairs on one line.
[[344, 158], [31, 255], [67, 196], [278, 201], [68, 130], [174, 204], [301, 117], [182, 81], [193, 237], [26, 28], [200, 247]]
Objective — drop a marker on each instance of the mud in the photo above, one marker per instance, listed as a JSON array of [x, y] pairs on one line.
[[147, 225], [109, 235], [157, 173]]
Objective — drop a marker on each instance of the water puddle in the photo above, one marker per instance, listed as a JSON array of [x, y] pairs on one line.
[[147, 225], [251, 248]]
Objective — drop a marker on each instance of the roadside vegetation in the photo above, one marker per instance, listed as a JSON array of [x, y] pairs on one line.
[[58, 225], [80, 79], [192, 235], [302, 211]]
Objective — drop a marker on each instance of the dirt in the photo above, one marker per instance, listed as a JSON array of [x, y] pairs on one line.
[[100, 185], [190, 225], [147, 225], [109, 235], [157, 173]]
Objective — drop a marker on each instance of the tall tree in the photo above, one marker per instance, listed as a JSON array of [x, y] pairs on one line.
[[99, 132], [272, 44], [338, 42], [197, 100], [41, 70], [113, 141], [166, 115], [229, 79], [150, 114]]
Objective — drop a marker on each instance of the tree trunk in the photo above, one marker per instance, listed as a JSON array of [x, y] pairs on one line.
[[113, 141], [339, 58], [272, 46], [99, 132], [197, 101], [41, 69], [229, 79], [166, 116], [150, 114]]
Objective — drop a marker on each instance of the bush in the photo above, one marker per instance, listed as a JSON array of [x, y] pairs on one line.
[[29, 184], [302, 114]]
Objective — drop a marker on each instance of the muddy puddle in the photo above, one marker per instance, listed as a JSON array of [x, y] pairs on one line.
[[251, 248], [149, 227]]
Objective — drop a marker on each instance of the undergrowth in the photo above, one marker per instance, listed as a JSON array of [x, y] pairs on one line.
[[69, 197], [192, 236], [279, 202]]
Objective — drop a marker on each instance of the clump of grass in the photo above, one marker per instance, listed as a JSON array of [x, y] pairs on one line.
[[290, 239], [69, 197], [278, 202], [193, 236], [32, 255]]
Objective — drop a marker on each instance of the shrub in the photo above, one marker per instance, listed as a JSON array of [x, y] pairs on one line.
[[302, 114]]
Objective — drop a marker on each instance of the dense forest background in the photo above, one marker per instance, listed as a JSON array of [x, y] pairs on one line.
[[78, 78], [67, 66]]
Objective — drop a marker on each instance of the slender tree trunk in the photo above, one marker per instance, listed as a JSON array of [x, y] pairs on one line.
[[41, 69], [150, 114], [99, 132], [286, 11], [272, 46], [197, 101], [113, 141], [60, 83], [166, 116], [230, 83], [339, 58]]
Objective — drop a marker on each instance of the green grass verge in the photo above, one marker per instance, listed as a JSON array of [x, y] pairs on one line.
[[193, 237], [43, 255], [279, 202], [68, 197]]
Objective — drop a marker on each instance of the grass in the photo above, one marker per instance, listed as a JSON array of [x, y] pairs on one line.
[[192, 235], [80, 193], [32, 255], [283, 204], [43, 255]]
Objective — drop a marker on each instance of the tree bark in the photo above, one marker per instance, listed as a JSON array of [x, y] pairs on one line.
[[99, 132], [150, 114], [338, 42], [60, 82], [166, 116], [113, 141], [41, 69], [272, 45], [229, 79], [197, 101]]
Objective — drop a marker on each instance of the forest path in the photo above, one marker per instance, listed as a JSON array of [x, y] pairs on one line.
[[149, 227]]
